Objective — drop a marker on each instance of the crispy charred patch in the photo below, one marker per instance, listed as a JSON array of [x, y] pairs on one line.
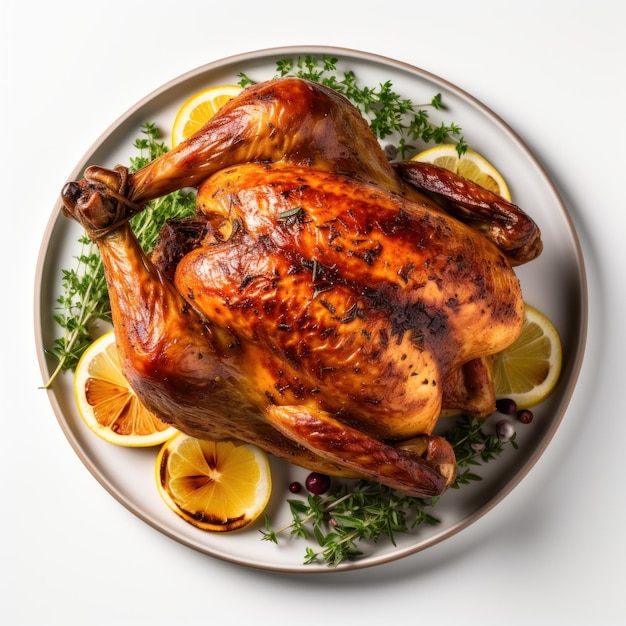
[[176, 239]]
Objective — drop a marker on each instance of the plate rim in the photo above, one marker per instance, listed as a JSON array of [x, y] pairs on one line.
[[367, 57]]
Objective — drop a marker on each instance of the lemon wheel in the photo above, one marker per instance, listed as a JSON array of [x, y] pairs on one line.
[[217, 486], [199, 109], [107, 403], [529, 369]]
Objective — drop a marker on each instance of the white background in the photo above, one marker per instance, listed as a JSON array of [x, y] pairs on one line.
[[552, 552]]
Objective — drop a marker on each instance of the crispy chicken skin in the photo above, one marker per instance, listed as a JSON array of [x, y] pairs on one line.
[[321, 304]]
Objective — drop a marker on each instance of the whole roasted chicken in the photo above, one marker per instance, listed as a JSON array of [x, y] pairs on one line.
[[323, 303]]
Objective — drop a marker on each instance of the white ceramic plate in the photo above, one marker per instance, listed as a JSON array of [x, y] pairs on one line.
[[555, 283]]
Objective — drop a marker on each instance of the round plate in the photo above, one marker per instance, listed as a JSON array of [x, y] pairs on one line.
[[554, 283]]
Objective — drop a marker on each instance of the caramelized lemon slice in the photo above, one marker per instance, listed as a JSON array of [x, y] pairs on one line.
[[218, 486], [528, 370], [471, 165], [108, 405], [199, 109]]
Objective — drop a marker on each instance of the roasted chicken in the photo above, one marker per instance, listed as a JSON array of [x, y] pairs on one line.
[[323, 303]]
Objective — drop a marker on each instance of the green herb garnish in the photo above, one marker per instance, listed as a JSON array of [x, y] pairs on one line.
[[473, 447], [354, 513]]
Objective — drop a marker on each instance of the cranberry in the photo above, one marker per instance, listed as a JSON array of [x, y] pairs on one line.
[[317, 483], [525, 416], [506, 406], [295, 487]]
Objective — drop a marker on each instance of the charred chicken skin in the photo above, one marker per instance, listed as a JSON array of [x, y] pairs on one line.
[[323, 303]]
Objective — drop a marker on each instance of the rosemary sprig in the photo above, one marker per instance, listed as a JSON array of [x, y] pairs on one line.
[[366, 511], [85, 298], [389, 114]]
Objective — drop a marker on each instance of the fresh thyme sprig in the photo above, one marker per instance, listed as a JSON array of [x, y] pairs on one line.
[[83, 301], [354, 513], [85, 298], [181, 203], [366, 511], [389, 114], [473, 447]]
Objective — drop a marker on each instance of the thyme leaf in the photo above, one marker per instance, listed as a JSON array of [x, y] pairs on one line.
[[290, 217]]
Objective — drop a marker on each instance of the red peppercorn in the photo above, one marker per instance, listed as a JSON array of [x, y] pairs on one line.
[[295, 487], [525, 416]]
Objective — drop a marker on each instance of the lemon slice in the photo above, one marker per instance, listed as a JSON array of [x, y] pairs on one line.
[[528, 370], [471, 165], [199, 109], [108, 405], [218, 486]]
